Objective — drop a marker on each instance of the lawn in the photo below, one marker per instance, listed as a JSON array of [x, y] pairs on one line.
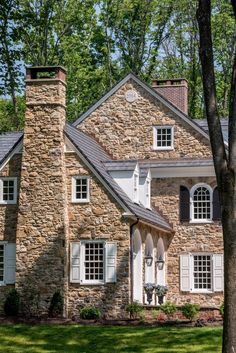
[[94, 339]]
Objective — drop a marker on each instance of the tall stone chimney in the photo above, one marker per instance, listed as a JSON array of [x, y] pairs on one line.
[[175, 91], [42, 221]]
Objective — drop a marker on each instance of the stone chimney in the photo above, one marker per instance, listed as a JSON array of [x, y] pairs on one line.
[[42, 221], [175, 91]]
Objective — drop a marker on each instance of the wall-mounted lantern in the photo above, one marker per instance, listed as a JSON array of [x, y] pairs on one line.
[[148, 259], [160, 262]]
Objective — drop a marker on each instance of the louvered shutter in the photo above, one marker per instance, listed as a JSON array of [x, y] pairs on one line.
[[218, 272], [185, 272], [75, 262], [216, 205], [10, 263], [184, 204], [111, 253]]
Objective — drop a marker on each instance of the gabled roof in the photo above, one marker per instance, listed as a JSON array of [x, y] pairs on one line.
[[8, 142], [94, 155], [153, 93]]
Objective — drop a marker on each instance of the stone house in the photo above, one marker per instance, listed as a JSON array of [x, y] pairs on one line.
[[124, 196]]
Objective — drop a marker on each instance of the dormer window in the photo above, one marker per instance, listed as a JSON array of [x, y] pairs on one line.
[[163, 137], [136, 187]]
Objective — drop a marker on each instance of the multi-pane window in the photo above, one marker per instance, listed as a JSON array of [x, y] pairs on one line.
[[163, 137], [202, 203], [80, 189], [94, 261], [1, 262], [7, 190], [202, 272]]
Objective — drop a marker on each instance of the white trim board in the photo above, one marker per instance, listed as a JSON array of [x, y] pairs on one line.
[[180, 172]]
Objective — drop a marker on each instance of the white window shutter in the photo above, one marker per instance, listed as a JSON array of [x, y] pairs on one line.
[[111, 252], [218, 272], [75, 262], [185, 272], [10, 263]]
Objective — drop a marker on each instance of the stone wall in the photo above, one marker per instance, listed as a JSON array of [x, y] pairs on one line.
[[188, 237], [126, 129], [8, 214], [99, 219], [42, 218]]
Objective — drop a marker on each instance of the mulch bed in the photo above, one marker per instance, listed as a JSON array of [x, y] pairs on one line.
[[107, 322]]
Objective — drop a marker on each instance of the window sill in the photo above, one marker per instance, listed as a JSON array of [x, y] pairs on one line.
[[163, 148], [201, 222], [7, 203], [80, 201]]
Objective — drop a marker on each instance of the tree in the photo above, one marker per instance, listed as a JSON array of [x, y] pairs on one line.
[[224, 163], [10, 55]]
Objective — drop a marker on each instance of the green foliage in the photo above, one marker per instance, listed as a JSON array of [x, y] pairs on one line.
[[134, 309], [190, 311], [168, 308], [221, 308], [56, 305], [8, 120], [30, 299], [90, 313], [12, 303]]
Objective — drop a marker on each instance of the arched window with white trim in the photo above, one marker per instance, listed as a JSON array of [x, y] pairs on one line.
[[201, 203]]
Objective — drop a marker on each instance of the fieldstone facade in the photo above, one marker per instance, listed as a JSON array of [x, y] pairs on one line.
[[46, 220], [126, 129]]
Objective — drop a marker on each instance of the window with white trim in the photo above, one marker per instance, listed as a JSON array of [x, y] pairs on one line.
[[163, 137], [201, 203], [7, 262], [80, 189], [93, 262], [201, 272], [8, 190]]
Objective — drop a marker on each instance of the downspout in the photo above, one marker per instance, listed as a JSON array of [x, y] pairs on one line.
[[131, 258]]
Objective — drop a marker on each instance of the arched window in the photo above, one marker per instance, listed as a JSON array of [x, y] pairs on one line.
[[201, 203]]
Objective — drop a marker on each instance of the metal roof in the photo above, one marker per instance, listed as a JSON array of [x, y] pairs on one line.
[[95, 155], [8, 141], [224, 125]]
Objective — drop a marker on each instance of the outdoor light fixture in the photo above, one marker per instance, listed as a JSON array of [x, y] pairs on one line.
[[148, 259], [160, 263]]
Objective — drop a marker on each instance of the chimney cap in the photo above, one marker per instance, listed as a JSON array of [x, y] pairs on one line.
[[45, 72], [170, 82]]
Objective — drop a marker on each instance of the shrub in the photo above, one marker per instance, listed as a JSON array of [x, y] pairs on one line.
[[134, 309], [168, 308], [56, 305], [221, 308], [90, 313], [190, 311], [12, 303], [30, 299]]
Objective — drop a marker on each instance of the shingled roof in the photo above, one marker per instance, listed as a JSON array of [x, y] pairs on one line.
[[8, 141], [93, 153]]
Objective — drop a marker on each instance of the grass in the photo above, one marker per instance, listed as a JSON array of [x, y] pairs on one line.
[[92, 339]]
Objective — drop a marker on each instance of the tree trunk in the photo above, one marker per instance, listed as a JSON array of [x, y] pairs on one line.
[[225, 167]]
